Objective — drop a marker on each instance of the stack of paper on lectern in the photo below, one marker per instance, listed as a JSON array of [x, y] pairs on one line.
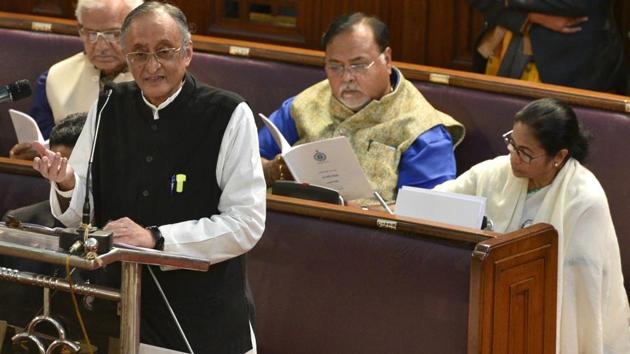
[[328, 163], [26, 128], [448, 208]]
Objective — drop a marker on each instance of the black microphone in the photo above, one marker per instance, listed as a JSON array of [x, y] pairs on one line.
[[86, 203], [15, 91], [77, 240]]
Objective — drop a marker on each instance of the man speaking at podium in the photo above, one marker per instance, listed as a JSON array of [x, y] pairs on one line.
[[175, 167]]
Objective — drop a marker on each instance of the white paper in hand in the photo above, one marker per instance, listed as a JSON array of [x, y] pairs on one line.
[[26, 128], [276, 134], [328, 163]]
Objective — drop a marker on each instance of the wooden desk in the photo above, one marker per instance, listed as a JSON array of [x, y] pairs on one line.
[[20, 185], [332, 279]]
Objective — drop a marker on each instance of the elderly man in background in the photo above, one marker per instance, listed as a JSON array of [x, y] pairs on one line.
[[176, 168], [73, 84], [398, 137]]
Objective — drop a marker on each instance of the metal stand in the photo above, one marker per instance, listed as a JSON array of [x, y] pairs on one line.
[[130, 302], [44, 247]]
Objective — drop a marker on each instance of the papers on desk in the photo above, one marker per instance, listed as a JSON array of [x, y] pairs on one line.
[[328, 163], [26, 128], [445, 207]]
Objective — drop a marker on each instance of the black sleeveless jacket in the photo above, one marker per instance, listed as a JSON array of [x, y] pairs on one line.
[[135, 160]]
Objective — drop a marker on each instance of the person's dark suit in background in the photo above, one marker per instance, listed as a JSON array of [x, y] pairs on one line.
[[573, 43]]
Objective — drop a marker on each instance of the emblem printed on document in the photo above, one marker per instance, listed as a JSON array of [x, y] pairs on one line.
[[319, 156]]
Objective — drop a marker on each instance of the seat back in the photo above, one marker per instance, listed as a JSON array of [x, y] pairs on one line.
[[266, 84]]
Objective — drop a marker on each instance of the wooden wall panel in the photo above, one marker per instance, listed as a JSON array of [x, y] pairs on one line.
[[440, 25], [58, 8], [623, 18], [197, 13], [299, 35], [467, 25], [412, 31], [432, 32]]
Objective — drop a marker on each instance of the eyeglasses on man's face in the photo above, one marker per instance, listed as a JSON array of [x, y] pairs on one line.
[[512, 148], [355, 69], [162, 55], [110, 36]]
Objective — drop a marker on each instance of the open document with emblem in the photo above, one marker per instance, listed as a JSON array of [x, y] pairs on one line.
[[328, 163]]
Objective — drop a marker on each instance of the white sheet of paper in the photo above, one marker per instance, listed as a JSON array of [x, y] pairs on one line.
[[276, 134], [26, 128], [328, 163], [445, 207]]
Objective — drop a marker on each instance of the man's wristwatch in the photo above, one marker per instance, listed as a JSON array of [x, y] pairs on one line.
[[157, 237]]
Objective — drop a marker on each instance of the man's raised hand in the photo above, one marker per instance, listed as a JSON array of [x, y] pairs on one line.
[[54, 167]]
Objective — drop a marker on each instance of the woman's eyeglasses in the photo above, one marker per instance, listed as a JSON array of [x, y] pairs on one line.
[[511, 146]]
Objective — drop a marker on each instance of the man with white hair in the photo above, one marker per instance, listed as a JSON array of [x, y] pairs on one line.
[[73, 84], [175, 168]]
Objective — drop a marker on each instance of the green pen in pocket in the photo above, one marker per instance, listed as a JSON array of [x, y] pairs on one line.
[[180, 178]]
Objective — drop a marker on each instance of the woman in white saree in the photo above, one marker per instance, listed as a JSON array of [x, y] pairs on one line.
[[542, 180]]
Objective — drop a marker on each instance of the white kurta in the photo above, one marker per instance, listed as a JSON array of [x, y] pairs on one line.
[[593, 313], [242, 207]]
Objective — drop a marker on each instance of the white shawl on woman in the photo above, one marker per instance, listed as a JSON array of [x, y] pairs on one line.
[[593, 313]]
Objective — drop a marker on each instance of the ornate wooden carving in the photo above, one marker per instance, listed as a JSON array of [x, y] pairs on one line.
[[517, 312]]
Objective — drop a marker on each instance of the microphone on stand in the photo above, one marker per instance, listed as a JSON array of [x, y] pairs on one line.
[[86, 203], [75, 240], [15, 91]]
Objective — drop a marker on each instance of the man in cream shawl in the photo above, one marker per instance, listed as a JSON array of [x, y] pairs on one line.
[[397, 136], [593, 314], [73, 84]]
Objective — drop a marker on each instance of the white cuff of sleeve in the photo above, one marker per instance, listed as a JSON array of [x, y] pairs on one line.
[[63, 194]]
